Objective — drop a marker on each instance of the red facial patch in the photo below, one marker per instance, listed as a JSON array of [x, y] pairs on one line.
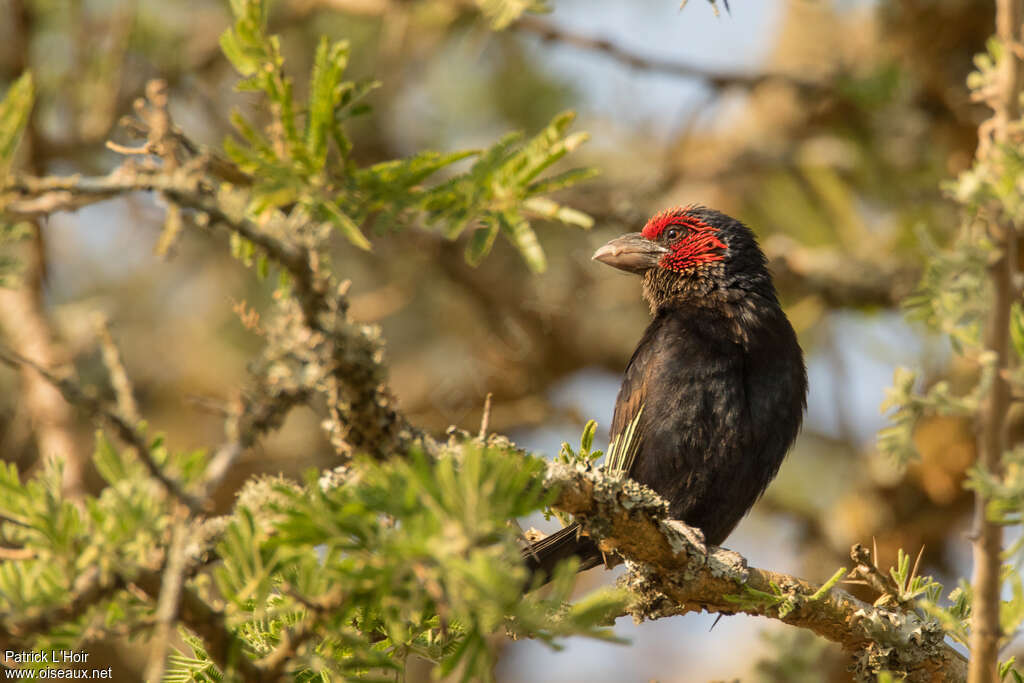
[[699, 246]]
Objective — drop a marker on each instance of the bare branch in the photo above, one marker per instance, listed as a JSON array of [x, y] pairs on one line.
[[840, 279], [717, 80], [168, 601], [126, 404], [98, 410]]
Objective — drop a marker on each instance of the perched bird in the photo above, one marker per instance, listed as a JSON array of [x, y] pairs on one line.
[[715, 392]]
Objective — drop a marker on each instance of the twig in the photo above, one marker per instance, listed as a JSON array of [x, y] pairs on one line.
[[717, 80], [485, 419], [867, 570], [167, 603], [349, 352], [118, 375], [223, 646], [97, 410], [244, 428]]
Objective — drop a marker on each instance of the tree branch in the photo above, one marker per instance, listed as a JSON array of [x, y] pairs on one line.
[[716, 80], [986, 581], [348, 354], [223, 646], [91, 588], [23, 315], [672, 574], [95, 408], [840, 279]]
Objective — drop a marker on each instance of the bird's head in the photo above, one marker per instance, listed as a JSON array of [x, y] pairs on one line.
[[692, 253]]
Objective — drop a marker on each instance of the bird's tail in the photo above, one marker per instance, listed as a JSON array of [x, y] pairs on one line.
[[542, 557]]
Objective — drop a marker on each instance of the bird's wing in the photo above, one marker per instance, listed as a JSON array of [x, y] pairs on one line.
[[626, 434]]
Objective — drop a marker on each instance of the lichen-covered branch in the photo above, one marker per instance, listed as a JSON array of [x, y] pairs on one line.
[[672, 573], [347, 356]]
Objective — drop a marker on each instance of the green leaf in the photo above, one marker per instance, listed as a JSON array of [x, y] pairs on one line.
[[524, 238], [346, 225], [14, 114], [561, 180], [480, 243], [587, 437], [245, 61], [546, 208], [324, 97]]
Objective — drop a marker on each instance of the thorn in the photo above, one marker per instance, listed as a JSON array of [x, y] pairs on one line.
[[917, 562], [874, 552], [717, 619], [485, 419], [522, 535]]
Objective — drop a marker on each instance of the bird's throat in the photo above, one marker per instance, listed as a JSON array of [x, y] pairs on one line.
[[698, 285]]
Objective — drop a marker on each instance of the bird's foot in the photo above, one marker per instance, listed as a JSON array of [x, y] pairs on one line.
[[693, 537]]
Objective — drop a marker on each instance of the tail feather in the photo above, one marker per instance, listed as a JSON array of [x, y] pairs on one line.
[[543, 556]]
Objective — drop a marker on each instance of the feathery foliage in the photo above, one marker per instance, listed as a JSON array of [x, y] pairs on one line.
[[302, 161], [410, 557], [955, 298]]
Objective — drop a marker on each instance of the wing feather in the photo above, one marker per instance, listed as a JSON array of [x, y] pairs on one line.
[[627, 422]]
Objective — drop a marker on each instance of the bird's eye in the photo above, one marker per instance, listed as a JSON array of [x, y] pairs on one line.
[[672, 234]]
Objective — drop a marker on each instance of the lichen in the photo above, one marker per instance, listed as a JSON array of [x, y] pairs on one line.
[[900, 642], [648, 602]]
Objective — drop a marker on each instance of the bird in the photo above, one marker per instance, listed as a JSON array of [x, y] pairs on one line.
[[715, 392]]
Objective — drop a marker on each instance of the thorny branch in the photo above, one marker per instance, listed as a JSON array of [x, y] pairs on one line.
[[671, 573]]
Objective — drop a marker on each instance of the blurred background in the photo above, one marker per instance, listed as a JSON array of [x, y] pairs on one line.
[[828, 126]]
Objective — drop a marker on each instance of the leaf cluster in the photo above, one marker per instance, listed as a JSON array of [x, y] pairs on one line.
[[69, 550], [300, 160], [908, 405], [410, 557]]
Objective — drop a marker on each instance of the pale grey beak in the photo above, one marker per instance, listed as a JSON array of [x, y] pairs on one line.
[[632, 253]]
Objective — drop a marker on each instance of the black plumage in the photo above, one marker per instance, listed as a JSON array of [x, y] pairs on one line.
[[717, 385]]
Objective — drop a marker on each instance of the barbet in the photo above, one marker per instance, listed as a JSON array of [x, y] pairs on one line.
[[715, 392]]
